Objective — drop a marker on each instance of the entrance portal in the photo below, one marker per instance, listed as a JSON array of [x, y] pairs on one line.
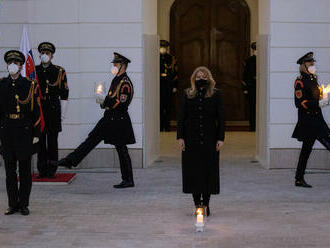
[[214, 33]]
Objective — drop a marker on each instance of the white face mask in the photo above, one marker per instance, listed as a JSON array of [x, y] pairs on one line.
[[45, 58], [13, 69], [163, 50], [114, 70], [312, 69]]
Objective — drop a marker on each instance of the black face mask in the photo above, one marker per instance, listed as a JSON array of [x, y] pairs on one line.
[[201, 83]]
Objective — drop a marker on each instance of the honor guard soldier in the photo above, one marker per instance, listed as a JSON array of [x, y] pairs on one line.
[[311, 125], [249, 84], [168, 84], [19, 130], [115, 127], [54, 99]]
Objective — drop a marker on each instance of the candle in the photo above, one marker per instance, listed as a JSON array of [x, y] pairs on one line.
[[200, 219]]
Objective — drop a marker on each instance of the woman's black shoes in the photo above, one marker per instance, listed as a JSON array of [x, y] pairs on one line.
[[207, 208], [302, 183]]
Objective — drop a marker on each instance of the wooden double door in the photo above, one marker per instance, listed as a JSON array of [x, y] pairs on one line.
[[216, 34]]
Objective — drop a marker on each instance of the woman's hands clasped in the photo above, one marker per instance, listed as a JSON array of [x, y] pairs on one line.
[[219, 145], [182, 145]]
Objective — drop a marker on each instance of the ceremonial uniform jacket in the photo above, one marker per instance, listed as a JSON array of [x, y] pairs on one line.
[[249, 74], [311, 123], [116, 127], [19, 117], [54, 87]]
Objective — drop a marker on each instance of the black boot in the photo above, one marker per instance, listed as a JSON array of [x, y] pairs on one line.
[[197, 201], [302, 183], [52, 169], [124, 184], [24, 211], [11, 211], [64, 162], [206, 203], [125, 168]]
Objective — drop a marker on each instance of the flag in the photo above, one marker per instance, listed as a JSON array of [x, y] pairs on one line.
[[29, 69]]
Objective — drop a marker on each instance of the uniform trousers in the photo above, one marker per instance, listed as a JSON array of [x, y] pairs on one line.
[[18, 196], [90, 143], [48, 152], [306, 151]]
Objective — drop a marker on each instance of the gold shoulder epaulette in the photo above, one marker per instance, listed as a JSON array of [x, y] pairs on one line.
[[59, 67]]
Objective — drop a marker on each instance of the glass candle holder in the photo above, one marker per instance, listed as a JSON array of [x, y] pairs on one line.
[[99, 89], [200, 219]]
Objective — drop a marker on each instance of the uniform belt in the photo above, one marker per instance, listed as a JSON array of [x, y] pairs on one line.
[[312, 112], [52, 98], [15, 116]]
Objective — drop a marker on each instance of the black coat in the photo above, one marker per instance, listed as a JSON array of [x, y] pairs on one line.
[[17, 134], [54, 87], [201, 125], [116, 127], [311, 123]]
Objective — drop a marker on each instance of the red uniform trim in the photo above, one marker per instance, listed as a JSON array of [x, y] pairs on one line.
[[116, 105], [299, 82], [303, 103]]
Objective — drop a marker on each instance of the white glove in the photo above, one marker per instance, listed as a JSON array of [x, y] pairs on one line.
[[175, 90], [99, 98], [64, 109], [35, 140], [324, 102]]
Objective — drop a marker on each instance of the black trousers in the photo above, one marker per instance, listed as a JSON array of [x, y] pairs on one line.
[[252, 98], [48, 152], [18, 196], [305, 152], [201, 199], [166, 96], [90, 143]]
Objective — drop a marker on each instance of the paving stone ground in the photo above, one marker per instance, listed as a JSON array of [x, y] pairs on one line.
[[257, 208]]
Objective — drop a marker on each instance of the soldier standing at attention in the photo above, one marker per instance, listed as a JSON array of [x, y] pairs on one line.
[[311, 125], [115, 127], [55, 93], [168, 84], [19, 130], [249, 85]]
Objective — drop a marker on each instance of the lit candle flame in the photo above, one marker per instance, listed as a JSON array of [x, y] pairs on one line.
[[325, 90]]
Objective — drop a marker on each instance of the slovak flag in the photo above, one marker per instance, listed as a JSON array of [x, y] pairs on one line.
[[29, 69]]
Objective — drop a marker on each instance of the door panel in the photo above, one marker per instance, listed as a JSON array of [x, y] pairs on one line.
[[214, 33]]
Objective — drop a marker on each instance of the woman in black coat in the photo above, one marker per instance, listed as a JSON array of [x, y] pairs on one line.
[[311, 125], [201, 134]]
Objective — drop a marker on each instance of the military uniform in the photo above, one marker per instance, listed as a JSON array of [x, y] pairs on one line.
[[311, 125], [114, 128], [20, 123], [54, 87], [250, 79], [168, 82]]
